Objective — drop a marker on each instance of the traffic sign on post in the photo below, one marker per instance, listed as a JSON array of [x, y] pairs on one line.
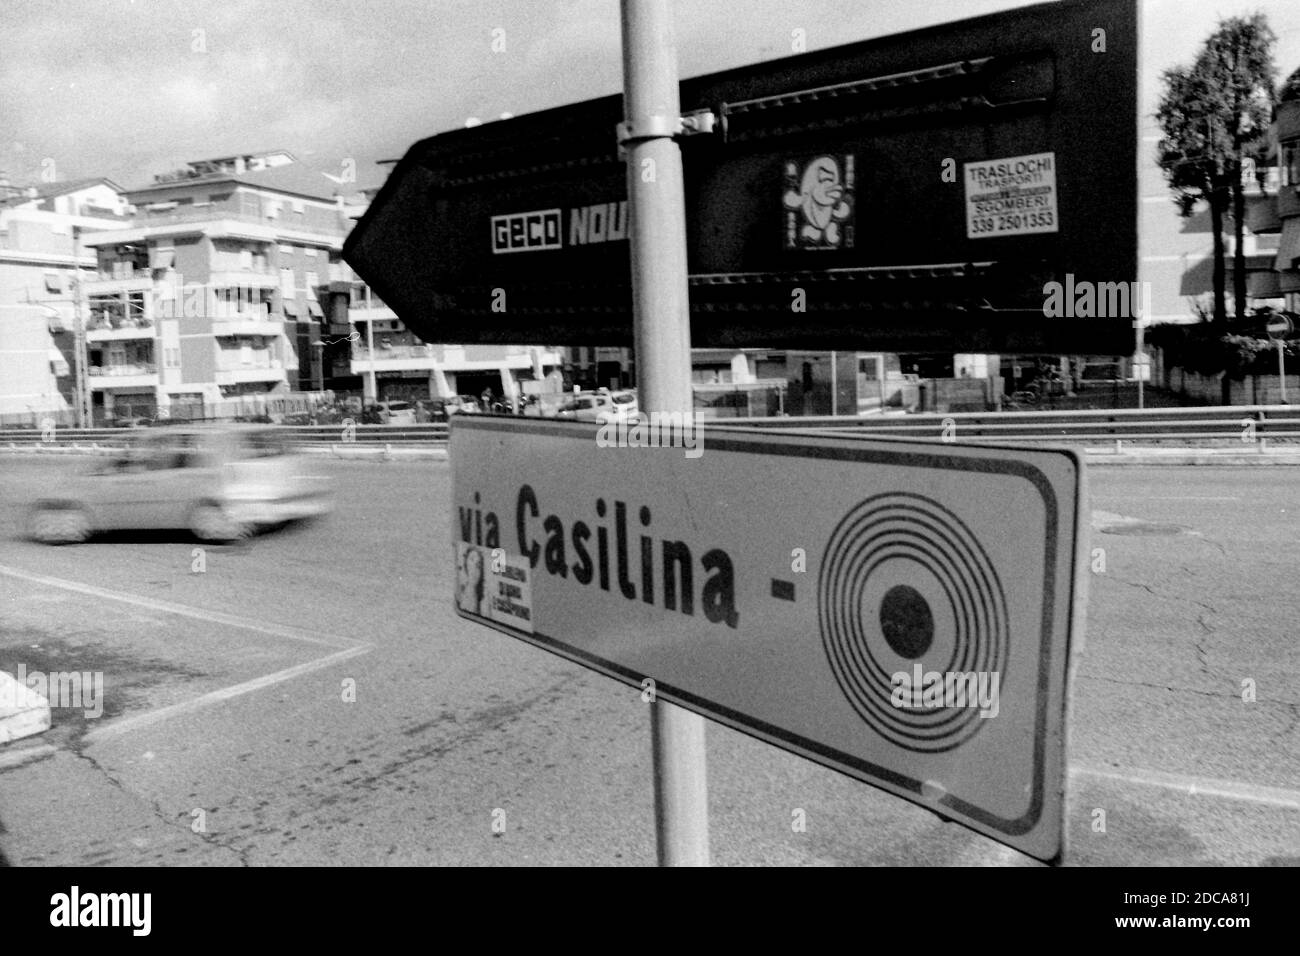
[[902, 612]]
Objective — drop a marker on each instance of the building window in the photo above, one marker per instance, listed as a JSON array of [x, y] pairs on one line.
[[1291, 163], [308, 251], [288, 288], [298, 207], [250, 204], [313, 280], [867, 369], [54, 283]]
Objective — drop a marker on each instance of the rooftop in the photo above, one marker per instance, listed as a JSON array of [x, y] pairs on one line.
[[292, 178]]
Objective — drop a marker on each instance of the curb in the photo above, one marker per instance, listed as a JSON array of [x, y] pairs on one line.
[[1190, 456], [23, 712]]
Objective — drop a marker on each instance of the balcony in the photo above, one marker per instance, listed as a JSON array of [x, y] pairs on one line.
[[117, 330], [397, 358], [131, 375], [263, 370], [247, 323], [244, 279], [483, 357], [138, 280]]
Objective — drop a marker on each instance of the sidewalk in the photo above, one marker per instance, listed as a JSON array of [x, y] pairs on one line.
[[1252, 454]]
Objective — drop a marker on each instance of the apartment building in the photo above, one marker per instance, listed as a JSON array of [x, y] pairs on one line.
[[41, 257], [210, 302]]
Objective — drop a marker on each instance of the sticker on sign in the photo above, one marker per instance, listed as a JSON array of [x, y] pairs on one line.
[[905, 618], [1011, 197]]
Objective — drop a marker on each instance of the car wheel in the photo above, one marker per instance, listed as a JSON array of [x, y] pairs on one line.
[[60, 525], [210, 522]]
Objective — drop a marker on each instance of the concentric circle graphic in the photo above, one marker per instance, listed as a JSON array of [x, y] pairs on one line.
[[904, 583]]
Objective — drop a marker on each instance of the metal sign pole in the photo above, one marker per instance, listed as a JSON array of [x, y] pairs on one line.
[[661, 312], [1139, 359], [1281, 371]]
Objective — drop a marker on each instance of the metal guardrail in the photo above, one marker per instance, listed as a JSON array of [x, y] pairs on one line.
[[1248, 423], [1239, 422], [298, 434]]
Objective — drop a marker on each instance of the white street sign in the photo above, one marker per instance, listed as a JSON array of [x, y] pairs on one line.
[[900, 611]]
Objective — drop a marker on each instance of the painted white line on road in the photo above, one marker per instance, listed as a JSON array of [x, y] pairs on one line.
[[1197, 786], [154, 604], [127, 724], [17, 758]]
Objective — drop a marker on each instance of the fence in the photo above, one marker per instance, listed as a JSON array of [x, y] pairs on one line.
[[1250, 423]]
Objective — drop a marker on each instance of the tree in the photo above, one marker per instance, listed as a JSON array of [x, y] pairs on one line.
[[1191, 153], [1240, 57], [1213, 115]]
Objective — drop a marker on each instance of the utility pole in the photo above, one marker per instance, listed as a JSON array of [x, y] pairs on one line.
[[661, 315], [370, 345], [81, 374]]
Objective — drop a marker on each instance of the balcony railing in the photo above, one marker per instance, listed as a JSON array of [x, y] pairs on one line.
[[362, 354], [263, 364], [287, 221], [97, 323], [113, 371]]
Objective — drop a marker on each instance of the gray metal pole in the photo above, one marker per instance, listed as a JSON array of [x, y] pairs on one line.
[[1281, 371], [1138, 357], [661, 312], [370, 345], [81, 348]]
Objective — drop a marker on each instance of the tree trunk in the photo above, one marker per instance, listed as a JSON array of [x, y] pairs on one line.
[[1216, 227], [1239, 236]]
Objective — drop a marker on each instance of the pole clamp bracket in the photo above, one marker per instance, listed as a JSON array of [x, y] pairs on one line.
[[659, 126]]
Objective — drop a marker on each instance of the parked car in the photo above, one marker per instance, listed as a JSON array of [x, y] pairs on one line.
[[399, 413], [462, 405], [222, 482], [623, 405], [587, 407]]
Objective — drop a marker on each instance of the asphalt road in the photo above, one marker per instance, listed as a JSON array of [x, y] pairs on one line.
[[311, 698]]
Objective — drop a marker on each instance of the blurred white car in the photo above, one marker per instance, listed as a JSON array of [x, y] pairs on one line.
[[220, 482]]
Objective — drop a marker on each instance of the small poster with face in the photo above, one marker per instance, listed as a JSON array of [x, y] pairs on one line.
[[494, 585], [819, 199]]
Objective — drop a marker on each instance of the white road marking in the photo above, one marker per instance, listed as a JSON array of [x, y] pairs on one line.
[[127, 724], [27, 754], [345, 649], [167, 607], [1199, 786]]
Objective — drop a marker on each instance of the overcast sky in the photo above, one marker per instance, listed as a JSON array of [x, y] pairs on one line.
[[130, 88]]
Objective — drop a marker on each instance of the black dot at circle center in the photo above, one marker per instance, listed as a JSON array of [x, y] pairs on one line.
[[906, 621]]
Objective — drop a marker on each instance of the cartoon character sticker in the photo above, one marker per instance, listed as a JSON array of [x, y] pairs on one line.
[[819, 200]]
